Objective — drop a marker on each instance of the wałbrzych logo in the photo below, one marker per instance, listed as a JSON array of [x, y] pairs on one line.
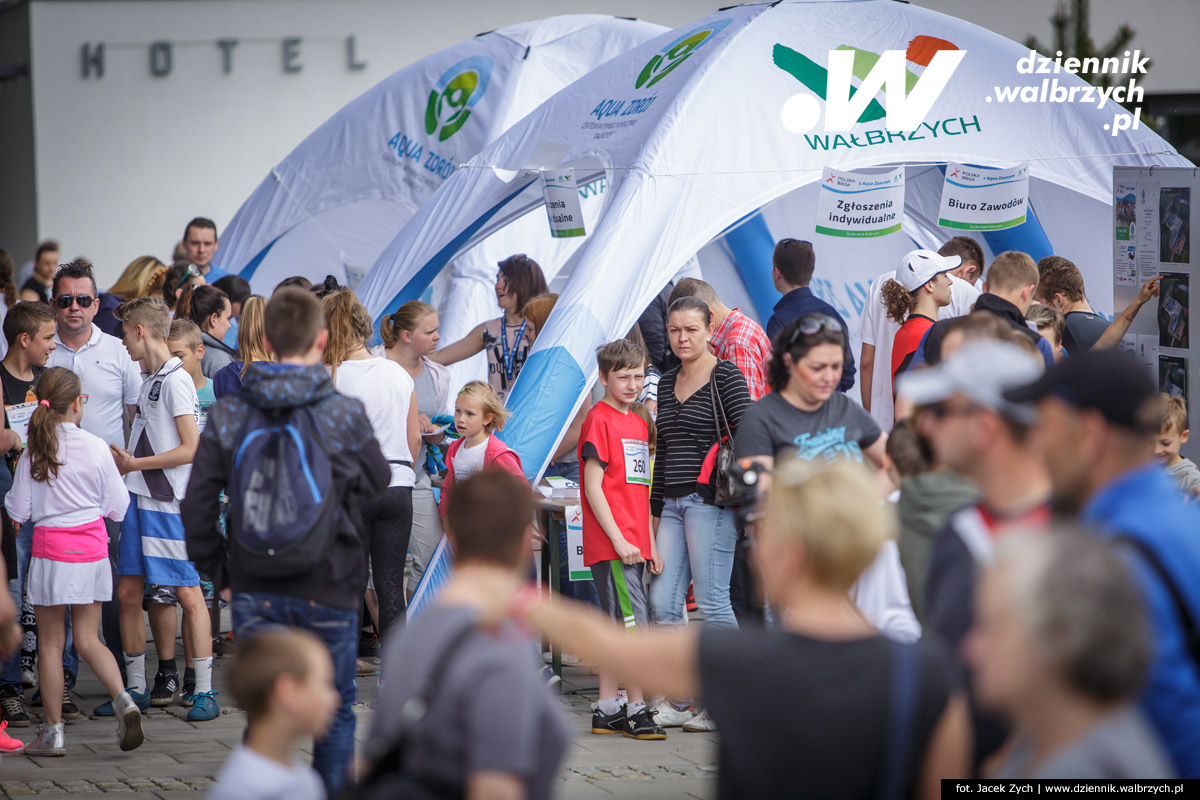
[[909, 95], [677, 52], [455, 95]]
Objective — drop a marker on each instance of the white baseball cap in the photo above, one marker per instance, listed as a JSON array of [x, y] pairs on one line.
[[982, 370], [921, 266]]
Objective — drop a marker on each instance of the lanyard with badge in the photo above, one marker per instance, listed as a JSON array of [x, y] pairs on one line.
[[509, 356]]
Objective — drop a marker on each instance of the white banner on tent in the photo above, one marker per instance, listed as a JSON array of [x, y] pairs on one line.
[[562, 203], [860, 204], [984, 199]]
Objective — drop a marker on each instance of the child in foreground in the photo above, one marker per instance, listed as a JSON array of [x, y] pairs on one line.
[[283, 678], [67, 484], [478, 414], [614, 448], [1173, 434]]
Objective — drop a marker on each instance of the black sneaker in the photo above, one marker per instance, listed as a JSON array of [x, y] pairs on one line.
[[642, 726], [69, 709], [12, 711], [604, 724], [165, 686], [189, 687]]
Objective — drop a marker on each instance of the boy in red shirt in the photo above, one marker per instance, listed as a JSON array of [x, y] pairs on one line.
[[614, 449]]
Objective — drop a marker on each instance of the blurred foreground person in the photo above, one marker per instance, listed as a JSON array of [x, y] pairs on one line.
[[1098, 413], [877, 714], [1060, 646], [463, 711]]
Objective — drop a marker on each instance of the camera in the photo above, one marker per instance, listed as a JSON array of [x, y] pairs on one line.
[[745, 476]]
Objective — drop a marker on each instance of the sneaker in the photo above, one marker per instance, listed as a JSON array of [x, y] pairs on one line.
[[604, 724], [701, 723], [28, 678], [668, 716], [129, 722], [189, 688], [142, 699], [7, 743], [224, 646], [550, 677], [690, 603], [69, 709], [165, 686], [204, 707], [642, 726], [50, 741], [13, 712]]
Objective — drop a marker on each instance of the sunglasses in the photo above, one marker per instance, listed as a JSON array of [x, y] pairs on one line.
[[812, 324], [65, 300]]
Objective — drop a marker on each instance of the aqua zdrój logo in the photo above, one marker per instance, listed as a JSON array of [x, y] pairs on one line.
[[677, 52], [455, 94], [909, 96]]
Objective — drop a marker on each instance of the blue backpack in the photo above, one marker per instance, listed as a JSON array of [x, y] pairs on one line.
[[282, 506]]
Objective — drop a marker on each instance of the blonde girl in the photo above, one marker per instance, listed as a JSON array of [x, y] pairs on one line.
[[389, 396], [410, 336], [478, 414], [67, 485], [251, 332]]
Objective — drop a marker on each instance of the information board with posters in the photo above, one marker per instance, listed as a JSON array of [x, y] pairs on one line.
[[1153, 223]]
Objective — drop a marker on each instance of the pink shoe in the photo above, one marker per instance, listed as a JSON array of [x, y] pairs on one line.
[[7, 743]]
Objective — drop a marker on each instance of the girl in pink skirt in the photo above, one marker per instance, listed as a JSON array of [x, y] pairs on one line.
[[67, 484]]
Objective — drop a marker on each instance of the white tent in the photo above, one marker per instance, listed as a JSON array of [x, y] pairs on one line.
[[332, 205], [689, 129]]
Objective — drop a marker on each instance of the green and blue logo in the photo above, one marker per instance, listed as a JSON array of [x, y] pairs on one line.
[[454, 96], [677, 52]]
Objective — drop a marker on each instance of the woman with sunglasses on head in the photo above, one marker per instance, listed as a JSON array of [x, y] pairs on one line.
[[695, 538], [209, 307], [805, 418], [506, 338]]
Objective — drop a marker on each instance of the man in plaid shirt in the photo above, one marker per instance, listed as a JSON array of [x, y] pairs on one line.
[[737, 338]]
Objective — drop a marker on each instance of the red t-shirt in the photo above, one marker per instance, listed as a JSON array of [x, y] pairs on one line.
[[621, 443], [905, 345]]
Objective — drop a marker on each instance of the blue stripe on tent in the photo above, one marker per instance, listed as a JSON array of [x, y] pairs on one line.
[[752, 245], [437, 572], [541, 404], [416, 285], [252, 267]]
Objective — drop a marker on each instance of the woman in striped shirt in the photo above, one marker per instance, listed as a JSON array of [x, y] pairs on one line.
[[695, 538]]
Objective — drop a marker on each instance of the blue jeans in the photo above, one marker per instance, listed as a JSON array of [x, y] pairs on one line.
[[696, 543], [11, 677], [255, 611]]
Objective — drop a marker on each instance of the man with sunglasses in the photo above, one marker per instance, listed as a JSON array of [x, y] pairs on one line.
[[109, 379], [975, 431]]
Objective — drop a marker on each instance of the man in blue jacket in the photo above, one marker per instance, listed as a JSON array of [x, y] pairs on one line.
[[1098, 412], [792, 266]]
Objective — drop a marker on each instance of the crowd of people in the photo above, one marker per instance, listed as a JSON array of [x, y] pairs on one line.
[[982, 565]]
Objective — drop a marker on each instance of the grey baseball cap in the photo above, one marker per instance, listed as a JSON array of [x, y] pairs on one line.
[[982, 371]]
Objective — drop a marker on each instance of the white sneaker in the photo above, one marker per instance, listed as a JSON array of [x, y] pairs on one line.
[[667, 716], [701, 723]]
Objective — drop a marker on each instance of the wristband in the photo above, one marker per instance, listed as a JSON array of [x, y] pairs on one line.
[[525, 602]]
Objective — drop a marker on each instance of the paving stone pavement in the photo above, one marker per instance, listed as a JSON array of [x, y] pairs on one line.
[[180, 759]]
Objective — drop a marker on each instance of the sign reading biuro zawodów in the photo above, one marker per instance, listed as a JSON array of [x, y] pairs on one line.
[[860, 204], [984, 199], [562, 203]]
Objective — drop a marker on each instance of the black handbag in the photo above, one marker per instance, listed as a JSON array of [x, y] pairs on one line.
[[726, 491], [386, 778]]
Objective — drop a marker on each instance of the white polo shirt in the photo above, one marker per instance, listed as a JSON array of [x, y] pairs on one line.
[[110, 379], [875, 328], [165, 395]]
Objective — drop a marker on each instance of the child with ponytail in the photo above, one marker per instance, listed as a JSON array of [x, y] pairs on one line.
[[67, 485]]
